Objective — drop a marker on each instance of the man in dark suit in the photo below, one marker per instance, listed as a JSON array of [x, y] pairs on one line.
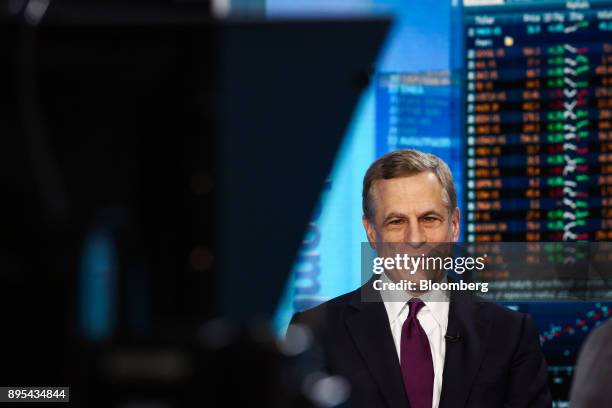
[[424, 353]]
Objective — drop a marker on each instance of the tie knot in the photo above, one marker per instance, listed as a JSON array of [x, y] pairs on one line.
[[415, 304]]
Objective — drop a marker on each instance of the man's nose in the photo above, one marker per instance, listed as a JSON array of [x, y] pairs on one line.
[[415, 235]]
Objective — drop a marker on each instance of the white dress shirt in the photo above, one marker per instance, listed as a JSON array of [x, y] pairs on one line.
[[434, 320]]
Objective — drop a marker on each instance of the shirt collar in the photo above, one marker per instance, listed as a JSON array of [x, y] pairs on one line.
[[439, 310], [437, 301]]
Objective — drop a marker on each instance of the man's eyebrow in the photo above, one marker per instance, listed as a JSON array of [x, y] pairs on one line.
[[394, 215], [429, 213], [426, 213]]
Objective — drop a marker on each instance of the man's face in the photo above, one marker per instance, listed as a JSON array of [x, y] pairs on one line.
[[411, 210]]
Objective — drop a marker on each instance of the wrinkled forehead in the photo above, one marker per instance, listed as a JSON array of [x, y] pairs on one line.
[[414, 193]]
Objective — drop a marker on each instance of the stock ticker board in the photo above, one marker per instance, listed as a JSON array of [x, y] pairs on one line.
[[537, 125], [538, 120]]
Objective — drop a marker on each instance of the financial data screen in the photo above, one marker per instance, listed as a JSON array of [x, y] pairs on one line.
[[538, 120], [537, 126]]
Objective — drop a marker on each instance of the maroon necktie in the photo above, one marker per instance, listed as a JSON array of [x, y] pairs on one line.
[[416, 361]]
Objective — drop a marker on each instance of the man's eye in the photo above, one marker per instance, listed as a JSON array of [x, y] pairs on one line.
[[395, 222], [429, 219]]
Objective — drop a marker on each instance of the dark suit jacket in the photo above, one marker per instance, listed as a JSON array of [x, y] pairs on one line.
[[493, 356]]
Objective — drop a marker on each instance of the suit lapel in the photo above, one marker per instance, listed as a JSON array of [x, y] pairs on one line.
[[464, 355], [370, 330]]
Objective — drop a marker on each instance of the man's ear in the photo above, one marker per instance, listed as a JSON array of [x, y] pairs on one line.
[[370, 231], [455, 220]]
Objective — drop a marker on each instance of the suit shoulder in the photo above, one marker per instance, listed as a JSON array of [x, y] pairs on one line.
[[503, 314], [321, 313], [339, 302]]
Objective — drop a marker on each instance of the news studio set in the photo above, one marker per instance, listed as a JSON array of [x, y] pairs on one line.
[[200, 198]]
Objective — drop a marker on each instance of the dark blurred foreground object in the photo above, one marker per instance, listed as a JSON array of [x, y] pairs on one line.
[[159, 170], [591, 383]]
